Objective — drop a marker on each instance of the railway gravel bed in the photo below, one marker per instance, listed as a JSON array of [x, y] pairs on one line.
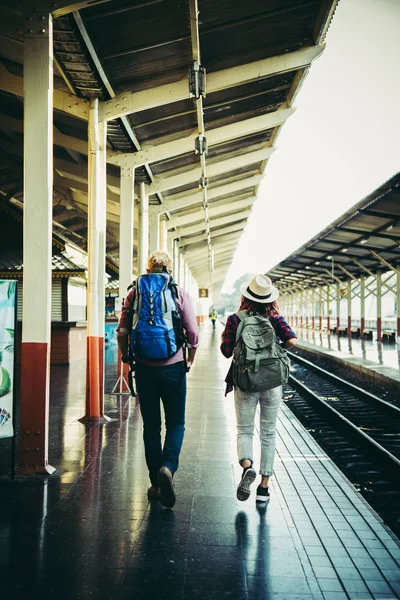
[[385, 392], [377, 485]]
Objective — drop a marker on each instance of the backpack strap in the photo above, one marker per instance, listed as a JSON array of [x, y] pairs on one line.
[[173, 286], [241, 315], [136, 303]]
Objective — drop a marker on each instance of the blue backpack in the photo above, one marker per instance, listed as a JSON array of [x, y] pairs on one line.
[[157, 331]]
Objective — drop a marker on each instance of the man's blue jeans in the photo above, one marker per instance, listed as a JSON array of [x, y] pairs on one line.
[[167, 384]]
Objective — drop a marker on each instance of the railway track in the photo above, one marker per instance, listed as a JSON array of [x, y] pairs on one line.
[[358, 430], [373, 422]]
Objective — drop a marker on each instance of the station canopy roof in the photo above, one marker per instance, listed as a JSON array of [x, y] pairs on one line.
[[134, 55], [362, 241]]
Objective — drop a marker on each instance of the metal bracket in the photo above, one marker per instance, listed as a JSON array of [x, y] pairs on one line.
[[197, 81], [200, 145], [36, 25], [127, 172], [203, 182]]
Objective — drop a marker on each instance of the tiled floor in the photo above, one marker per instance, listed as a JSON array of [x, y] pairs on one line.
[[90, 532], [378, 358]]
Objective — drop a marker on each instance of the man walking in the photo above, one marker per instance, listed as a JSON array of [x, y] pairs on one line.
[[159, 379]]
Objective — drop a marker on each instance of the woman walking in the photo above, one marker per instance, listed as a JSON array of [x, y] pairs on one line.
[[258, 299]]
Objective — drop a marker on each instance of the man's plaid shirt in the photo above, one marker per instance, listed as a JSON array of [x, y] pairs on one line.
[[282, 329]]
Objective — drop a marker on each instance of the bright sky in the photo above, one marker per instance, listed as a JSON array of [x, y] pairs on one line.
[[342, 142]]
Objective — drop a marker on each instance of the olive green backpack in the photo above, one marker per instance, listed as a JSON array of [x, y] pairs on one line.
[[259, 362]]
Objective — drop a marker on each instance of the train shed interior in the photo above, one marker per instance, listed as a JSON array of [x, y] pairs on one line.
[[132, 125]]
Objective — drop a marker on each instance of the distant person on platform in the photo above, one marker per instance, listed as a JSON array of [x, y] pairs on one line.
[[160, 365], [213, 317], [252, 336]]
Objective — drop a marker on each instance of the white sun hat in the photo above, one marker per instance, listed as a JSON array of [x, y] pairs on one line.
[[260, 289]]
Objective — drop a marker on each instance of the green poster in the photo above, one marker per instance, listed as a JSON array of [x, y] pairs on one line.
[[7, 348]]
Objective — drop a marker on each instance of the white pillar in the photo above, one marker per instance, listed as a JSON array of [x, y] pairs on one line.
[[163, 235], [126, 228], [37, 244], [102, 198], [328, 306], [337, 307], [313, 309], [379, 306], [96, 267], [175, 266], [321, 308], [187, 275], [154, 229], [143, 229], [362, 304], [181, 270], [398, 306], [301, 309], [349, 290]]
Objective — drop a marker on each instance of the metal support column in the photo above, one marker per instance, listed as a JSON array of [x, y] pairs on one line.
[[154, 229], [181, 271], [102, 188], [313, 309], [126, 229], [187, 277], [301, 308], [37, 246], [321, 307], [306, 295], [362, 305], [349, 308], [337, 307], [328, 307], [126, 234], [96, 268], [398, 305], [143, 229], [291, 309], [163, 235], [379, 306], [175, 264]]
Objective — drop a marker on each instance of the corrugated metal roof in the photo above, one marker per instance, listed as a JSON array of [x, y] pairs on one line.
[[132, 45], [370, 226]]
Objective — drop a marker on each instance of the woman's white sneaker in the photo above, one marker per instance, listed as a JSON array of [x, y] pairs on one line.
[[262, 495], [243, 490]]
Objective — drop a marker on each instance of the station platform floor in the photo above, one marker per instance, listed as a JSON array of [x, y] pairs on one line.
[[377, 359], [89, 532]]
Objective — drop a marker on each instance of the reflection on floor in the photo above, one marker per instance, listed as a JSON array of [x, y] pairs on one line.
[[90, 532]]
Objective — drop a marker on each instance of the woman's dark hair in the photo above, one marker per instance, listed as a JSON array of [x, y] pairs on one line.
[[267, 310]]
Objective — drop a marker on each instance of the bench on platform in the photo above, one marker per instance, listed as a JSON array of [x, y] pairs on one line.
[[341, 331], [355, 333], [367, 334], [389, 336]]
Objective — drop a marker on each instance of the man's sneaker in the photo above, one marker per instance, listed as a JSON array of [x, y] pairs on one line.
[[243, 490], [167, 495], [262, 495]]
